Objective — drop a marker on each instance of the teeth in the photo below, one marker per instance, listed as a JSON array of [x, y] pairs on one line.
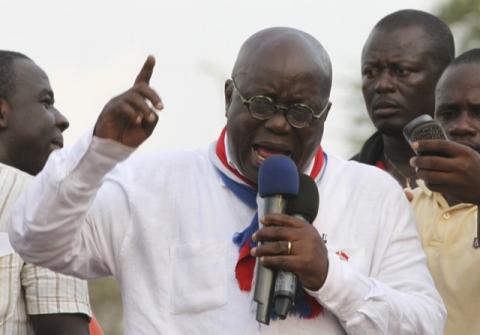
[[260, 158]]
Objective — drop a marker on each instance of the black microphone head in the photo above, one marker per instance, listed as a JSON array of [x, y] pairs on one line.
[[307, 200], [278, 175]]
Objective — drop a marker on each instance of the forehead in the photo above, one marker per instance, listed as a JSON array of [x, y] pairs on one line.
[[29, 78], [460, 82], [286, 64], [409, 43]]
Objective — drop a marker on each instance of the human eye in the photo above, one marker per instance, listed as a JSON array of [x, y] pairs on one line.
[[300, 113], [446, 113], [262, 106], [476, 111], [401, 71], [369, 72], [47, 101]]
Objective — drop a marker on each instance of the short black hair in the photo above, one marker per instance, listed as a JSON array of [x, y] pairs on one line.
[[7, 58], [441, 36], [468, 57]]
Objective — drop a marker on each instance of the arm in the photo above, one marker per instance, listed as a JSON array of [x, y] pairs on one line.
[[68, 222], [454, 171], [60, 324], [396, 297], [55, 304]]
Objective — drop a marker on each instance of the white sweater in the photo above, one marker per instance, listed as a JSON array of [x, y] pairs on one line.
[[163, 225]]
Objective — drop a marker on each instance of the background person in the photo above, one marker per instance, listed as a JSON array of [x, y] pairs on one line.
[[446, 204], [402, 60], [34, 300]]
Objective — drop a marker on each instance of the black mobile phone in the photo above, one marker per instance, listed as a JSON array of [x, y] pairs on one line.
[[424, 127]]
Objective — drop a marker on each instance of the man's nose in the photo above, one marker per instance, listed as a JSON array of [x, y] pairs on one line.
[[278, 123], [462, 126], [61, 122], [385, 82]]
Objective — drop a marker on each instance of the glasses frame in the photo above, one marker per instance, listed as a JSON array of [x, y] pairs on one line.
[[278, 107]]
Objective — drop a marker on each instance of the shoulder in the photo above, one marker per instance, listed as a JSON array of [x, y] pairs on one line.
[[359, 174], [171, 159], [161, 165], [371, 150], [12, 183], [9, 174], [422, 196]]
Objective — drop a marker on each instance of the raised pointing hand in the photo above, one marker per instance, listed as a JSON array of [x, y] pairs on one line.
[[128, 117]]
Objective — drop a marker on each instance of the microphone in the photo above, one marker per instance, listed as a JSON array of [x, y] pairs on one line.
[[277, 181], [305, 207]]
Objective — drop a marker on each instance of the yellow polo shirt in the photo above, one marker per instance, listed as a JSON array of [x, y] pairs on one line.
[[447, 235]]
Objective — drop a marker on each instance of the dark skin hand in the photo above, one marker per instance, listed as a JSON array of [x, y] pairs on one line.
[[309, 256], [60, 324], [454, 171], [128, 118]]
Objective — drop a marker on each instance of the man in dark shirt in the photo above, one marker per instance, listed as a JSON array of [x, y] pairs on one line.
[[402, 60]]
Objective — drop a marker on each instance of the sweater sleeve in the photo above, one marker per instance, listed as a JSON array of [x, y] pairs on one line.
[[64, 220], [398, 296]]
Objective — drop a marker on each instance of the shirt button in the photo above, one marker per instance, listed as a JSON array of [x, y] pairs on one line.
[[446, 216]]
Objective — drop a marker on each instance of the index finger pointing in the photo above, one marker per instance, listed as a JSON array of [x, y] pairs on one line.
[[146, 72]]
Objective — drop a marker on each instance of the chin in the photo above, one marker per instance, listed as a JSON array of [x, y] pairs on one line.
[[389, 128]]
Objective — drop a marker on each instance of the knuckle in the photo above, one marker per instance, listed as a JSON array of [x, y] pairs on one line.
[[278, 246], [140, 86]]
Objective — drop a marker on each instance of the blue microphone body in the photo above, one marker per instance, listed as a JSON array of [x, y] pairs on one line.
[[277, 181]]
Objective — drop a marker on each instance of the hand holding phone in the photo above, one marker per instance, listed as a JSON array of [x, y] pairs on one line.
[[424, 127]]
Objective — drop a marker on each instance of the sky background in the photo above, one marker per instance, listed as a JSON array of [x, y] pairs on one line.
[[92, 51]]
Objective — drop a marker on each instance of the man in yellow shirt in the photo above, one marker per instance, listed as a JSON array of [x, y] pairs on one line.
[[446, 204]]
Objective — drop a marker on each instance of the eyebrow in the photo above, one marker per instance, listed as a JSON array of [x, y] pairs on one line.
[[46, 91]]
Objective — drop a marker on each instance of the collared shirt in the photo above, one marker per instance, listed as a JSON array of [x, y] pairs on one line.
[[447, 234], [163, 224], [26, 289]]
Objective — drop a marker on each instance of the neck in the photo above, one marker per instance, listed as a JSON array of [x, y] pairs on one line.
[[4, 159], [451, 200], [397, 154]]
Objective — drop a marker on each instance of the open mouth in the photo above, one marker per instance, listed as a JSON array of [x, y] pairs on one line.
[[262, 152]]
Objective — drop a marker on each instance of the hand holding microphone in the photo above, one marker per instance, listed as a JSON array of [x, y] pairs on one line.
[[277, 182], [308, 257]]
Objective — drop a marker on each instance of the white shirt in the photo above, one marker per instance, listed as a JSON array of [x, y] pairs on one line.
[[26, 289], [163, 224]]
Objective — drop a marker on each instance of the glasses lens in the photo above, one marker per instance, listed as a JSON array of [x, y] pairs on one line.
[[299, 116], [262, 108]]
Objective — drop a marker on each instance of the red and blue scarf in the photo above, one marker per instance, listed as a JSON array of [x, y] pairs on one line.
[[304, 305]]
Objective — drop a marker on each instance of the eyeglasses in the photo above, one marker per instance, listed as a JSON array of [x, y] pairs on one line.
[[263, 108]]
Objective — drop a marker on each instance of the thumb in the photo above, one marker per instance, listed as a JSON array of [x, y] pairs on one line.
[[146, 72], [409, 195]]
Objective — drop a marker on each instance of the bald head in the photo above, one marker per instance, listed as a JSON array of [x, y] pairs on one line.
[[287, 46], [288, 72]]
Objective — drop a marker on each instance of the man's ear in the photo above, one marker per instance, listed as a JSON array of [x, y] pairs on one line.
[[4, 113], [228, 95]]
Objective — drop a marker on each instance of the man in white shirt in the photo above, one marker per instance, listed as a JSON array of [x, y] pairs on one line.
[[34, 300], [163, 224]]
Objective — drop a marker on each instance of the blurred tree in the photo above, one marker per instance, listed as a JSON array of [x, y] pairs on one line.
[[107, 305], [463, 16]]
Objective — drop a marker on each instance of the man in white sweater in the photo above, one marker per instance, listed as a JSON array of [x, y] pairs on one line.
[[163, 224]]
